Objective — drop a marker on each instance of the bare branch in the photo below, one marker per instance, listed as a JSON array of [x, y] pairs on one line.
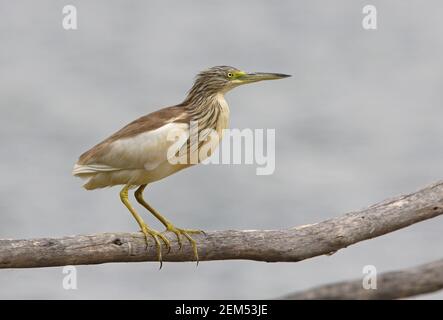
[[267, 245], [410, 282]]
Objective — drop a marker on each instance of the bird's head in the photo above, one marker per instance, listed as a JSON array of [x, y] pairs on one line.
[[221, 79]]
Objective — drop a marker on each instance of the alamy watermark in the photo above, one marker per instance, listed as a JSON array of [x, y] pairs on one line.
[[206, 146], [70, 279], [369, 21], [69, 21], [370, 277]]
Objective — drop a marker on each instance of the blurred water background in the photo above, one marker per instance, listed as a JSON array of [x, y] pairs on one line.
[[359, 121]]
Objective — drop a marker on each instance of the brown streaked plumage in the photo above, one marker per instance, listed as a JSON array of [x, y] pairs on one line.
[[139, 153]]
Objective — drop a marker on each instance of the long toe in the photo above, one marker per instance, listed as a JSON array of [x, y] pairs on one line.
[[192, 242], [165, 240], [148, 232], [186, 233]]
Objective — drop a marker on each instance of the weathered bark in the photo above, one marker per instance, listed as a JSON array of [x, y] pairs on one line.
[[262, 245], [390, 285]]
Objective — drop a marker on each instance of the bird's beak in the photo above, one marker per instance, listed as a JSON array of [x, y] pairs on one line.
[[259, 76]]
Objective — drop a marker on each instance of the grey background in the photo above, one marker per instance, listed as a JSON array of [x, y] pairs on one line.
[[358, 122]]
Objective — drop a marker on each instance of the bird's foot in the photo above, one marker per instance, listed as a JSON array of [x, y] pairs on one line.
[[186, 233], [156, 236]]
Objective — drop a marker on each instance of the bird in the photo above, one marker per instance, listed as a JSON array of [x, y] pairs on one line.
[[140, 153]]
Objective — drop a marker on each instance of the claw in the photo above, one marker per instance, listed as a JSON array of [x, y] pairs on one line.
[[165, 240], [193, 243], [185, 232], [156, 235], [177, 233]]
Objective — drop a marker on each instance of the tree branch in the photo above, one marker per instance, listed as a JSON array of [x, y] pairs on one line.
[[410, 282], [267, 245]]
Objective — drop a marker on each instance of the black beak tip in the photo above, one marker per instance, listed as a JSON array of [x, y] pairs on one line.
[[282, 75]]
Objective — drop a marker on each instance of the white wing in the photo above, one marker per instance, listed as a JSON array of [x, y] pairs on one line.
[[146, 150]]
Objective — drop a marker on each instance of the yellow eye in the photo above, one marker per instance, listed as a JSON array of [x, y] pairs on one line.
[[230, 75]]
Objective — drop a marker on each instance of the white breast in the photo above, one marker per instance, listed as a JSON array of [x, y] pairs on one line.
[[223, 120]]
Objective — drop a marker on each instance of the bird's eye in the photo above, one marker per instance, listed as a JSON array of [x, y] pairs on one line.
[[230, 75]]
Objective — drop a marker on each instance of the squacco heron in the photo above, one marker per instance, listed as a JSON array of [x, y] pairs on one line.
[[137, 154]]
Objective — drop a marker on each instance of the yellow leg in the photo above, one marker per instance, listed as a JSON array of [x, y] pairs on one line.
[[169, 226], [147, 231]]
